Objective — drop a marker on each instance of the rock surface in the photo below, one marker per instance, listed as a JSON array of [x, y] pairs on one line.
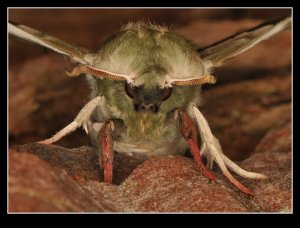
[[272, 156], [36, 186], [53, 178]]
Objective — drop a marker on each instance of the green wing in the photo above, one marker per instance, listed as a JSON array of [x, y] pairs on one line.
[[217, 53], [78, 54]]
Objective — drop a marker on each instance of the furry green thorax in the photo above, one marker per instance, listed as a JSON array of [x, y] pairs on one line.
[[151, 53]]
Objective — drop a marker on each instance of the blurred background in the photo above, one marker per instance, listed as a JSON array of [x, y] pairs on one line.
[[89, 27], [252, 95]]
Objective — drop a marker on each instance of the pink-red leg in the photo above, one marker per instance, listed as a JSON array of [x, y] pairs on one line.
[[189, 133], [106, 151], [238, 184], [202, 123]]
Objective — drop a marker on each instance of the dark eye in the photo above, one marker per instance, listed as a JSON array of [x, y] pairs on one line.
[[166, 93], [130, 91]]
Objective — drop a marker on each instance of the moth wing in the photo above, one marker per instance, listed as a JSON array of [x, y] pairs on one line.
[[217, 53], [78, 54]]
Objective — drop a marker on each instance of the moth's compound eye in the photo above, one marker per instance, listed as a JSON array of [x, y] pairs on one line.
[[130, 91], [166, 93]]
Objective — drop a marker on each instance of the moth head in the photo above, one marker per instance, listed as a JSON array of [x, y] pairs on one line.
[[147, 100], [148, 90]]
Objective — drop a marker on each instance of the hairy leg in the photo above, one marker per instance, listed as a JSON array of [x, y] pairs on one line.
[[189, 132], [81, 120], [213, 148]]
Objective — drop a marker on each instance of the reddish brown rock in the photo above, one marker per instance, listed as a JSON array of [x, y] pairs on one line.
[[175, 184], [81, 163], [36, 186], [70, 180], [272, 157]]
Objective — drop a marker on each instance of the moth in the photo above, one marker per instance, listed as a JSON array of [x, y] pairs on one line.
[[145, 92]]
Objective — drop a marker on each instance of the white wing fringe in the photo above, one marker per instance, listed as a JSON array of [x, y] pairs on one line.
[[211, 149], [81, 120]]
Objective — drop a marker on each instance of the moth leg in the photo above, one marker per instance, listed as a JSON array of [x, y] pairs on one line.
[[81, 120], [243, 173], [235, 168], [189, 132], [106, 152], [213, 147]]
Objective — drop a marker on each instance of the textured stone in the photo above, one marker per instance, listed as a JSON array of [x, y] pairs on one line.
[[174, 184], [272, 157], [81, 163], [36, 186], [70, 180]]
